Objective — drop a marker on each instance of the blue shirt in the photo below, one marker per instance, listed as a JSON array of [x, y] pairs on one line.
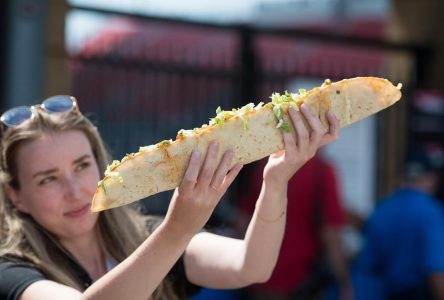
[[404, 240]]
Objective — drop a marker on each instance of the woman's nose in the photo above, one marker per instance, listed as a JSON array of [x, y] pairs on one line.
[[72, 188]]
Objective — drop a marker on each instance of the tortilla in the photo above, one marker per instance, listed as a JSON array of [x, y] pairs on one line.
[[253, 132]]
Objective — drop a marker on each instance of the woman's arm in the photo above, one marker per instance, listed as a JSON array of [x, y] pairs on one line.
[[135, 278], [221, 262], [190, 208]]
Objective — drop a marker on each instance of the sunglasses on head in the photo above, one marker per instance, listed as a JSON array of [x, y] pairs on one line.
[[53, 105]]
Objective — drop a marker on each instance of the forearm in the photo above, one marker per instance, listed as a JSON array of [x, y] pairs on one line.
[[265, 232], [142, 271]]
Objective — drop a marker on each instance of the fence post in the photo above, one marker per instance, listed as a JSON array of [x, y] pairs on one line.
[[247, 65]]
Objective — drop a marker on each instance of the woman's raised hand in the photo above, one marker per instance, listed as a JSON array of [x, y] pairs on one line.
[[201, 188], [283, 164]]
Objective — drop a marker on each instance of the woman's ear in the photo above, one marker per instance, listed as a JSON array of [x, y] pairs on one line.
[[14, 197]]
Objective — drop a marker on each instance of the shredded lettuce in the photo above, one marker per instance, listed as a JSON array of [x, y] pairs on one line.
[[185, 132], [279, 113], [101, 184], [110, 173], [116, 175], [277, 100], [164, 143], [245, 122], [223, 115], [111, 166], [284, 126]]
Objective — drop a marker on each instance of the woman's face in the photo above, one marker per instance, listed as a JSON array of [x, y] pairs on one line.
[[58, 176]]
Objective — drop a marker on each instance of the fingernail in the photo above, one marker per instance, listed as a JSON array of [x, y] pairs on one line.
[[330, 114], [229, 153]]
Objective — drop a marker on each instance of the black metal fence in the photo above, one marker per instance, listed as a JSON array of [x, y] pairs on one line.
[[154, 77]]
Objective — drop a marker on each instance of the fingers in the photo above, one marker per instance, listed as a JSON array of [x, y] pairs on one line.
[[318, 130], [302, 132], [209, 165], [192, 172], [229, 178], [334, 124], [310, 139], [333, 134], [214, 174], [222, 170]]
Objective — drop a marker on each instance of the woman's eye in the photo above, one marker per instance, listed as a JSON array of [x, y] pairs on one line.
[[82, 166], [47, 180]]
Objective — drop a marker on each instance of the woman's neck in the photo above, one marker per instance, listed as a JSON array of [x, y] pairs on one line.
[[88, 253]]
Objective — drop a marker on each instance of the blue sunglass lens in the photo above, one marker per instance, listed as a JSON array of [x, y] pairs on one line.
[[16, 116], [58, 104]]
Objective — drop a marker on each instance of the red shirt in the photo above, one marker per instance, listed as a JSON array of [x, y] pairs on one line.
[[313, 201]]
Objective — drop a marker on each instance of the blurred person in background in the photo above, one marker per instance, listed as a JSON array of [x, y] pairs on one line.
[[403, 253], [311, 257], [53, 247]]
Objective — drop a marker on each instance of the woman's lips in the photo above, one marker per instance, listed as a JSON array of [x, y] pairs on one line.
[[79, 212]]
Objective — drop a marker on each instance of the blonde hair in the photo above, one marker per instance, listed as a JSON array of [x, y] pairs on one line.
[[120, 230]]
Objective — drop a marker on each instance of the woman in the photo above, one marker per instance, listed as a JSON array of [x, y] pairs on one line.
[[52, 247]]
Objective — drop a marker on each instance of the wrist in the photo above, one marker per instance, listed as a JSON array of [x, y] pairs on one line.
[[276, 187], [271, 206], [278, 176], [274, 195], [272, 219]]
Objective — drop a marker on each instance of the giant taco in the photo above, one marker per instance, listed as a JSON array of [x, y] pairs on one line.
[[253, 132]]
